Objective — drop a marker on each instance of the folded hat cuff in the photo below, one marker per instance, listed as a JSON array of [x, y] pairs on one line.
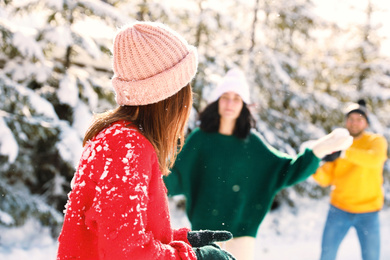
[[158, 87]]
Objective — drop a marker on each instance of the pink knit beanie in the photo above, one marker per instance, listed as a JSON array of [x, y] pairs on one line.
[[151, 62]]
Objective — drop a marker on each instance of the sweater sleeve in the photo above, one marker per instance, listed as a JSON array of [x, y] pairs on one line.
[[119, 211], [296, 169], [372, 157], [286, 170]]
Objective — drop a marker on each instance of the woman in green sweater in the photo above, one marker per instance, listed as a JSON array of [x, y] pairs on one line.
[[230, 175]]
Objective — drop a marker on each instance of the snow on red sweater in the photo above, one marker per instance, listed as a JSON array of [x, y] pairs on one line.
[[118, 207]]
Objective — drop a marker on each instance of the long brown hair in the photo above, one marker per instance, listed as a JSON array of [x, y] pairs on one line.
[[162, 123]]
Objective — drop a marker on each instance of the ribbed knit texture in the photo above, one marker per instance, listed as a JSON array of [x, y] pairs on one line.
[[151, 62]]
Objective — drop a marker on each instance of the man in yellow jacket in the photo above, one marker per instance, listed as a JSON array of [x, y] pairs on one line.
[[357, 196]]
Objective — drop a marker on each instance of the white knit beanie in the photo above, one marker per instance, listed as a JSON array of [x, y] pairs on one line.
[[151, 62], [234, 81]]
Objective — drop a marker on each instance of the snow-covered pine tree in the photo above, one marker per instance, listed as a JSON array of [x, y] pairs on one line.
[[279, 67], [354, 67], [293, 105], [54, 74]]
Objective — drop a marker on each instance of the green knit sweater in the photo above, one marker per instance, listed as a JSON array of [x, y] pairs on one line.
[[230, 183]]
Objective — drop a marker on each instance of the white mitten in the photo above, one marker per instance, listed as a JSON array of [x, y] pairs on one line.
[[338, 140]]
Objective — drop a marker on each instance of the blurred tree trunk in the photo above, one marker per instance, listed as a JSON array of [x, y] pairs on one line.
[[253, 35], [143, 11], [365, 70]]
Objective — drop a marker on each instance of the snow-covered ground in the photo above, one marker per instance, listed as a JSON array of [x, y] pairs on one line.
[[286, 233], [296, 234]]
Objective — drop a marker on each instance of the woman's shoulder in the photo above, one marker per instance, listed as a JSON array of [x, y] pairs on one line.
[[258, 141], [118, 129], [122, 134], [255, 135]]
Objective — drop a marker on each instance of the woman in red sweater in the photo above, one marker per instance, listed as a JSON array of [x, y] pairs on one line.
[[117, 208]]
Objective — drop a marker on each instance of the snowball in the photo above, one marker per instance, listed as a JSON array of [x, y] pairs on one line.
[[340, 133]]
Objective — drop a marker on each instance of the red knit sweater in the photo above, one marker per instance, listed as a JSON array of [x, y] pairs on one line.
[[118, 207]]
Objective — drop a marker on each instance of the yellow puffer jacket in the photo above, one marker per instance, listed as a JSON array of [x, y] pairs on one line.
[[357, 178]]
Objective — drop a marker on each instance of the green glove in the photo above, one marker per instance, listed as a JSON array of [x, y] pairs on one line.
[[207, 237], [212, 252]]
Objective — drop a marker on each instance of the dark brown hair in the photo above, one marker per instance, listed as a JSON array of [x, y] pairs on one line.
[[162, 123], [210, 120]]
